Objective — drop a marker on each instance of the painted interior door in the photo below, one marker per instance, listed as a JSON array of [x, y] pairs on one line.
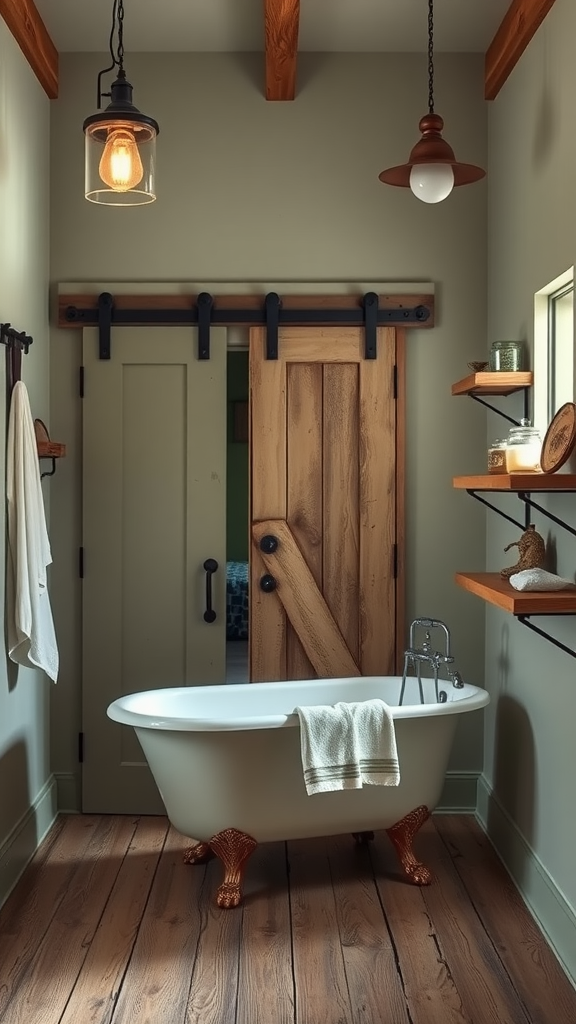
[[323, 505], [154, 509]]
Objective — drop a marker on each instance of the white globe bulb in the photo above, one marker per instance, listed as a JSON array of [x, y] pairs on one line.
[[432, 182]]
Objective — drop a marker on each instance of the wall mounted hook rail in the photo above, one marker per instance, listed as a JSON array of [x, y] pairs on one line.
[[16, 342], [15, 339]]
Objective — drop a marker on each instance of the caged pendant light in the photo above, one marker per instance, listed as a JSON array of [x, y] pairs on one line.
[[120, 146], [432, 170]]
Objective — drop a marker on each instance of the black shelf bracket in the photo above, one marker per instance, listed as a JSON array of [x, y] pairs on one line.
[[525, 620], [474, 494], [529, 502], [493, 408]]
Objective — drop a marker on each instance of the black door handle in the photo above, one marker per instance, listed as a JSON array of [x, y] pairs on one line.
[[210, 567]]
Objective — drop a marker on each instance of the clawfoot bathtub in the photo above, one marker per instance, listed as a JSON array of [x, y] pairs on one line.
[[227, 762]]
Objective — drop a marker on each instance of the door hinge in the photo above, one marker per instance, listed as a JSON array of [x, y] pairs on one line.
[[395, 561], [81, 381], [81, 563], [395, 381], [81, 747]]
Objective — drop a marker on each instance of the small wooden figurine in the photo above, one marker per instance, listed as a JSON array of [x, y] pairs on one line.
[[532, 551]]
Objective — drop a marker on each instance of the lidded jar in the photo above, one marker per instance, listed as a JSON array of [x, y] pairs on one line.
[[506, 356], [523, 449], [497, 456]]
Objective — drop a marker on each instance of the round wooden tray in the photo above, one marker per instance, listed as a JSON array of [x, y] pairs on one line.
[[560, 439]]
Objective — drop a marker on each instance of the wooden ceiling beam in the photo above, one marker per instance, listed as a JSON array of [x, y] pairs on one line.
[[521, 21], [31, 34], [281, 23]]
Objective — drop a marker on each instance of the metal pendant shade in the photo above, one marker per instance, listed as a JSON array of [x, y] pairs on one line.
[[432, 155], [120, 147]]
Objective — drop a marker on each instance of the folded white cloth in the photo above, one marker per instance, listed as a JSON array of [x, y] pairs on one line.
[[347, 746], [538, 579], [30, 628]]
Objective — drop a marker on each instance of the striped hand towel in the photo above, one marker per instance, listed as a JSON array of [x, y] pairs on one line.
[[347, 746]]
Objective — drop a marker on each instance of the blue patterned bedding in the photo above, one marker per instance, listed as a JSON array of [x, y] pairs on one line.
[[236, 600]]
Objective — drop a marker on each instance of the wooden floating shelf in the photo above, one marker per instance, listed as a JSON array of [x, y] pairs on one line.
[[517, 482], [492, 588], [493, 383], [46, 448]]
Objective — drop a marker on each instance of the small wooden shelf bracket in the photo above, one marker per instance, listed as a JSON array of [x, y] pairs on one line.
[[46, 448]]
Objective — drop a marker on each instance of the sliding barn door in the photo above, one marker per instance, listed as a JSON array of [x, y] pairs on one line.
[[323, 505], [154, 509]]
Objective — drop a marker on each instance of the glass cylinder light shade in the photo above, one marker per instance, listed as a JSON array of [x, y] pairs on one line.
[[120, 162]]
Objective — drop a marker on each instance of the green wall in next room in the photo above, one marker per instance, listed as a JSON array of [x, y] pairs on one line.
[[237, 463]]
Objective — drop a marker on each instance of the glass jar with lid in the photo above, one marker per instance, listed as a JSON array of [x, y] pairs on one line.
[[497, 456], [523, 449], [506, 356]]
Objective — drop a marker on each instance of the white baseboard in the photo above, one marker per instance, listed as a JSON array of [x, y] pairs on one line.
[[544, 899], [458, 793], [69, 792], [17, 850]]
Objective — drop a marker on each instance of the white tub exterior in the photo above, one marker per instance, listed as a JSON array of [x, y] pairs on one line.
[[229, 756]]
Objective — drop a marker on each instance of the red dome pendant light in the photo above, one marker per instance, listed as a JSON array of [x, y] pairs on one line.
[[432, 170]]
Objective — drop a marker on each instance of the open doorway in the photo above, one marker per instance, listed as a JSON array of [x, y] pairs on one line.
[[237, 522]]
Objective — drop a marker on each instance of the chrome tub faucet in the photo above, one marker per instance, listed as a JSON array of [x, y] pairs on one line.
[[415, 657]]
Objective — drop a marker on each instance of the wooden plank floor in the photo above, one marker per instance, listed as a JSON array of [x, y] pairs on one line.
[[109, 926]]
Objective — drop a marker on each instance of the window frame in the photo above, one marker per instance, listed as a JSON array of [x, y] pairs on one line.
[[547, 347]]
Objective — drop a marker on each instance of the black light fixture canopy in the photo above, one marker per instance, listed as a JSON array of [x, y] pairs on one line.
[[120, 147], [432, 170]]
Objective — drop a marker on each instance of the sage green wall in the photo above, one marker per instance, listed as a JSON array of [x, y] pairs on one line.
[[251, 191], [236, 463], [27, 800], [530, 753]]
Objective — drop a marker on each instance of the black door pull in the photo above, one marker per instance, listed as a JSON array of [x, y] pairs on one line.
[[210, 567]]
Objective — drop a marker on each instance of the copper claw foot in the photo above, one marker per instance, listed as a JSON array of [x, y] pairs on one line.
[[233, 848], [402, 834]]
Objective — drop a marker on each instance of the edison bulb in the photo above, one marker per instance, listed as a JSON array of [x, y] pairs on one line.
[[120, 164], [432, 182]]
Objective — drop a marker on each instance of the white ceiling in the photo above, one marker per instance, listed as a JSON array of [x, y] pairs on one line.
[[237, 25]]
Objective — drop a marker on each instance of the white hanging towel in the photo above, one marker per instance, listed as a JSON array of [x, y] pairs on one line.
[[30, 627], [348, 745]]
